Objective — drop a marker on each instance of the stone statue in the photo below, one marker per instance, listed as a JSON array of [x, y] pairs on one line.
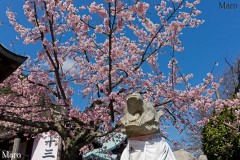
[[140, 118], [141, 125]]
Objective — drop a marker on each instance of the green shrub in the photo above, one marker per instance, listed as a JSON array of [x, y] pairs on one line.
[[221, 137]]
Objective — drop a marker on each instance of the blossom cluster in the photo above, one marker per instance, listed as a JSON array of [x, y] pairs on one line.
[[108, 44]]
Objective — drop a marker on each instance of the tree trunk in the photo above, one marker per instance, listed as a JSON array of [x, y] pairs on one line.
[[71, 154]]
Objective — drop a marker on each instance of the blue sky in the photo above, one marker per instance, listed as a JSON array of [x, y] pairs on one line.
[[214, 40]]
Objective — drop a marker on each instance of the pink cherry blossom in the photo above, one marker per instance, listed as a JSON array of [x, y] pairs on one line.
[[97, 53]]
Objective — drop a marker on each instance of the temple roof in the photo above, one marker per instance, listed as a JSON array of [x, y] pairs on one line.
[[9, 62]]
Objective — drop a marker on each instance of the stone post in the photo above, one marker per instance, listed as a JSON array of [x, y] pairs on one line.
[[16, 148], [59, 153]]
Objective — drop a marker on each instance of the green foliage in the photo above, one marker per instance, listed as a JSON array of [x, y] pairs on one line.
[[5, 90], [221, 138]]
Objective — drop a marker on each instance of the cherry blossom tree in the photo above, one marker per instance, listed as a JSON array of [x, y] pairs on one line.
[[114, 46], [220, 136]]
